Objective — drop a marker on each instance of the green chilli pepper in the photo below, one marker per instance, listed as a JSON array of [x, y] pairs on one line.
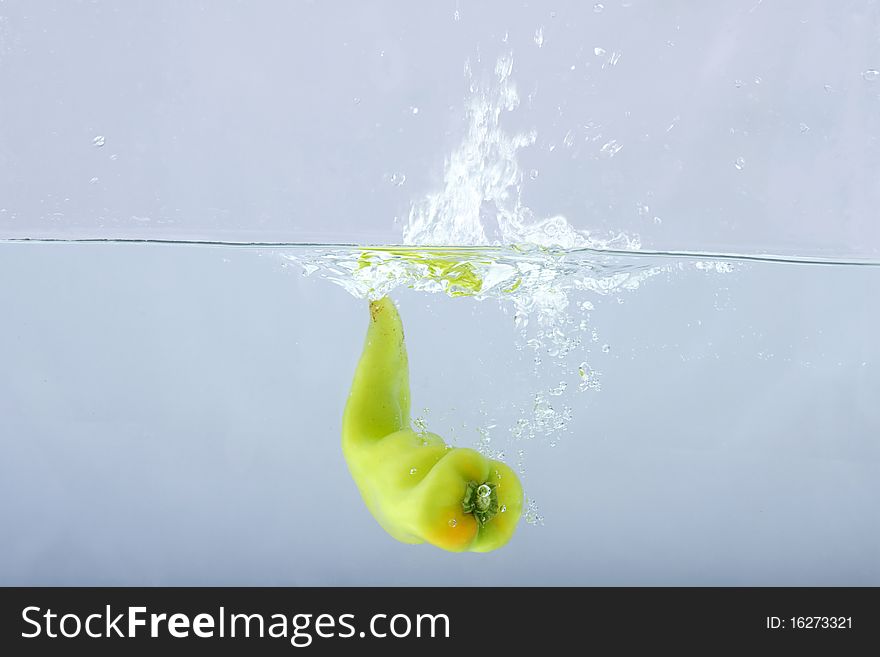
[[419, 488]]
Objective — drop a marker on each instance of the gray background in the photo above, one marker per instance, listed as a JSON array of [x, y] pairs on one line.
[[171, 415], [286, 120]]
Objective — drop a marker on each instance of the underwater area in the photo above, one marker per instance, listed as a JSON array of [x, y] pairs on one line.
[[633, 247], [679, 420]]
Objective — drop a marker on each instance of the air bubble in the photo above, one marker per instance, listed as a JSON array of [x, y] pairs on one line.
[[606, 348], [598, 8], [452, 522], [589, 378], [740, 163], [531, 515], [871, 75], [98, 141], [533, 174], [397, 179], [412, 471], [599, 52], [539, 37]]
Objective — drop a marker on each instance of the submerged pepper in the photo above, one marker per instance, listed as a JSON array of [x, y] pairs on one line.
[[416, 486]]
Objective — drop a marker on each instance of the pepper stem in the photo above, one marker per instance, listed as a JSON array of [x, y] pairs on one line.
[[481, 500]]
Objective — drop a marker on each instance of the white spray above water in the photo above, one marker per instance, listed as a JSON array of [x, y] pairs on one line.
[[481, 200]]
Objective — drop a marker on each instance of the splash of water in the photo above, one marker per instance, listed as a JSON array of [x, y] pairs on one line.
[[475, 237], [480, 204], [481, 199]]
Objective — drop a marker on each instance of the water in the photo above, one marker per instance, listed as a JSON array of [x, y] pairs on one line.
[[167, 412]]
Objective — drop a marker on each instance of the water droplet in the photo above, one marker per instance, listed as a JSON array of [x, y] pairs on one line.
[[98, 141], [414, 110], [804, 128], [606, 348], [658, 220], [738, 84], [740, 163], [93, 180], [598, 8], [610, 148], [539, 36], [412, 471], [357, 101], [397, 179], [484, 490], [758, 80], [456, 15], [871, 75], [612, 60], [643, 209], [503, 508], [599, 52], [533, 174], [114, 157], [452, 522]]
